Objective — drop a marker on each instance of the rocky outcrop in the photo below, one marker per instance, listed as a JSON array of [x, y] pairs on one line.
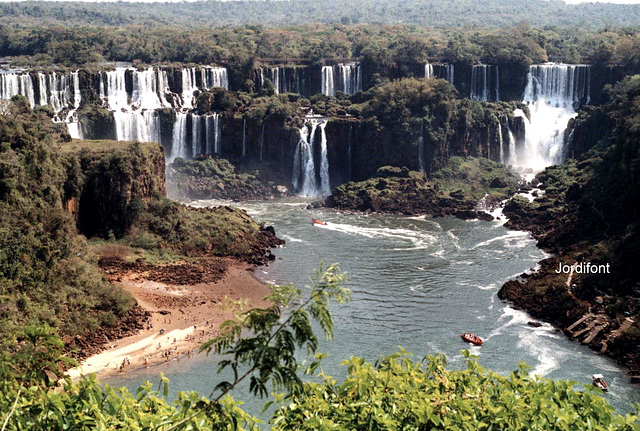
[[454, 190], [115, 177], [209, 177]]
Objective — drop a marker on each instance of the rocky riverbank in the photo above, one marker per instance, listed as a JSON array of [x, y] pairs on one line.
[[601, 310], [463, 188], [210, 177]]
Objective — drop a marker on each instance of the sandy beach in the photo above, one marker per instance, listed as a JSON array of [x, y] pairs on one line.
[[182, 318]]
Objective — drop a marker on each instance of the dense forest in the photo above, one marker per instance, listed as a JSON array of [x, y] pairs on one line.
[[377, 47], [432, 13]]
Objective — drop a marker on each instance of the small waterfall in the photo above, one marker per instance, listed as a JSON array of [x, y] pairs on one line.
[[421, 160], [485, 83], [511, 144], [196, 145], [328, 88], [438, 70], [213, 133], [325, 189], [275, 79], [72, 119], [553, 93], [311, 178], [344, 77], [13, 84], [214, 77], [188, 76], [428, 71], [244, 136], [114, 91], [262, 141], [501, 141]]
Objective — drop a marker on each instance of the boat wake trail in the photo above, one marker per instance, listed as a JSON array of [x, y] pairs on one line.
[[419, 240]]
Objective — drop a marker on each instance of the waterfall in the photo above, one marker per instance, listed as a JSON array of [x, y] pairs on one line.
[[328, 89], [179, 138], [485, 83], [421, 148], [275, 79], [309, 178], [244, 136], [438, 70], [115, 92], [214, 77], [344, 77], [513, 160], [553, 93], [428, 71], [196, 145], [188, 76], [500, 141], [72, 119], [213, 133], [13, 84], [325, 189], [149, 87]]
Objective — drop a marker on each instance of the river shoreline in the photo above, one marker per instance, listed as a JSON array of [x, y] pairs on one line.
[[182, 318]]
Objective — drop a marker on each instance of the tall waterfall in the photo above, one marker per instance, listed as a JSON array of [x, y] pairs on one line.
[[344, 77], [310, 175], [500, 141], [553, 93], [328, 87], [213, 134], [179, 138], [485, 83]]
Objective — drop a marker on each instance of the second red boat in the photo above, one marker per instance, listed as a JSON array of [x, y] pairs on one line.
[[472, 338]]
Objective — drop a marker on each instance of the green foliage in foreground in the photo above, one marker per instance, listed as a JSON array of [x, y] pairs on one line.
[[260, 345], [398, 393]]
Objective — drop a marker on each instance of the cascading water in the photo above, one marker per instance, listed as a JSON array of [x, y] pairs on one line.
[[511, 144], [344, 77], [309, 179], [196, 144], [500, 141], [214, 77], [179, 138], [13, 84], [213, 133], [441, 71], [485, 83], [328, 87], [553, 93], [428, 71]]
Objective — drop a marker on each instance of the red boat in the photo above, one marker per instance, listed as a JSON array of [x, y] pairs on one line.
[[598, 382], [320, 222], [472, 338]]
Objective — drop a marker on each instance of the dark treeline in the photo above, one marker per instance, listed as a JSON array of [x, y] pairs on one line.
[[432, 13], [376, 46]]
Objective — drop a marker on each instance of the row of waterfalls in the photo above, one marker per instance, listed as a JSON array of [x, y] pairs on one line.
[[553, 94], [307, 81], [138, 99]]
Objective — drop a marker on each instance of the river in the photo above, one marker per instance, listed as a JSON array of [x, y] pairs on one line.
[[418, 283]]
